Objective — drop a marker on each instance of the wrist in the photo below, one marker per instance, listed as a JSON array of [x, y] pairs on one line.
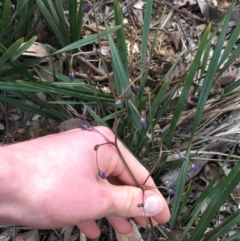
[[9, 186]]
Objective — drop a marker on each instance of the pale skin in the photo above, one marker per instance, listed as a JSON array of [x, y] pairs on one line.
[[53, 181]]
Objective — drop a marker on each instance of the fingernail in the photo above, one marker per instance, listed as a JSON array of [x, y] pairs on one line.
[[153, 205]]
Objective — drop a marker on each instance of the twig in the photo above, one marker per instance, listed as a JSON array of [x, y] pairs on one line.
[[112, 84], [95, 78], [191, 44], [184, 11], [115, 125], [90, 65], [121, 5]]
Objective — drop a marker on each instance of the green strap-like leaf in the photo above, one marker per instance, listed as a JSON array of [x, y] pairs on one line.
[[89, 40], [226, 187]]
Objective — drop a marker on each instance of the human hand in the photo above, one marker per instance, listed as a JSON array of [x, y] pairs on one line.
[[57, 184]]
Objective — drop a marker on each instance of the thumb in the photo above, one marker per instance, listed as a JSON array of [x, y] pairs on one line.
[[129, 201]]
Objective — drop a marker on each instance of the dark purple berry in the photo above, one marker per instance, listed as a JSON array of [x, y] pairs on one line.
[[149, 227], [71, 75], [86, 8], [137, 89], [83, 127], [171, 192], [143, 122], [118, 102], [183, 158], [102, 175], [96, 148], [177, 151], [194, 168]]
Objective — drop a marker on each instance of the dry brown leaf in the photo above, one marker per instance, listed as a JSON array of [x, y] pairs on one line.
[[82, 237], [2, 127], [133, 236], [55, 65], [139, 4], [67, 231], [37, 50], [28, 236], [217, 14], [184, 2], [227, 77], [6, 235], [176, 40], [70, 124]]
